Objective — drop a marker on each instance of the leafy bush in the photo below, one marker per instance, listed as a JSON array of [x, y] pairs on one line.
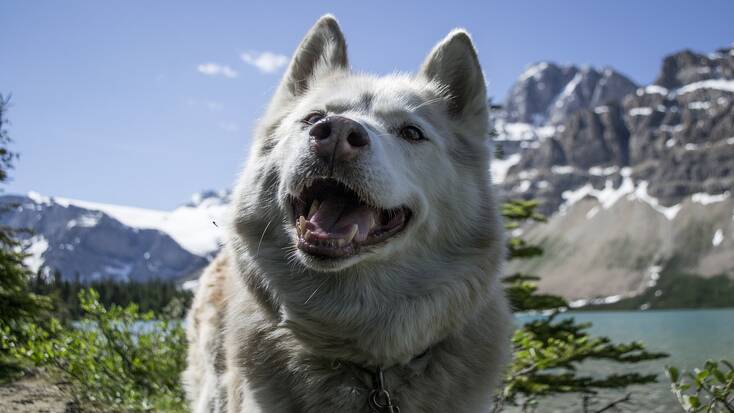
[[710, 389], [115, 359]]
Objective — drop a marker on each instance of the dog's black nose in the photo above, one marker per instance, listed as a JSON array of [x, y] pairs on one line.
[[338, 137]]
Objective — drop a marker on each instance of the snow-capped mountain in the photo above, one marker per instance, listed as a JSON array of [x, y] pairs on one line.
[[90, 241], [547, 93], [633, 185], [635, 181]]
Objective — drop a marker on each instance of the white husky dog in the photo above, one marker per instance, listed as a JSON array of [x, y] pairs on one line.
[[361, 271]]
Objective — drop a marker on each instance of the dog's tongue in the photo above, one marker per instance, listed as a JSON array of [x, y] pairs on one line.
[[335, 217]]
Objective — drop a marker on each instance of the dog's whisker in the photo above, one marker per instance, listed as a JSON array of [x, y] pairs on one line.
[[257, 254], [426, 103], [316, 290]]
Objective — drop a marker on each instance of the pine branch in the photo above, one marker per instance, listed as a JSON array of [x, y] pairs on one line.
[[611, 405]]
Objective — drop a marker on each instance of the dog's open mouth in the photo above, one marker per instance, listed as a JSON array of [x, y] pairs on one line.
[[332, 221]]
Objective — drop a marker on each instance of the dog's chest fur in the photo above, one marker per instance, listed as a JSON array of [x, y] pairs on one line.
[[263, 368]]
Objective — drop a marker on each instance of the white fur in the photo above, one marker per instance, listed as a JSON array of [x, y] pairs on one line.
[[270, 321]]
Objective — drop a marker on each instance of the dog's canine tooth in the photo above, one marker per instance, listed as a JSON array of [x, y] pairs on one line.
[[352, 232], [314, 207], [302, 223]]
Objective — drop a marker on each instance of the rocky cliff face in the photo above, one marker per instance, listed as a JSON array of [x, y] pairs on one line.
[[658, 149]]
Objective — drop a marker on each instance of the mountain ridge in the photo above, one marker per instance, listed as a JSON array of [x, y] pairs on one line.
[[91, 241], [633, 178], [660, 160]]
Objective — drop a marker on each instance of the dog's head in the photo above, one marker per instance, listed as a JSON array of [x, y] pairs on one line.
[[349, 170]]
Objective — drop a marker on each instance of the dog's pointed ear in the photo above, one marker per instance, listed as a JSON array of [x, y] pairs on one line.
[[322, 50], [454, 65]]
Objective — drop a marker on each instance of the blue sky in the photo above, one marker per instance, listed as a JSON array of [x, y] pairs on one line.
[[144, 103]]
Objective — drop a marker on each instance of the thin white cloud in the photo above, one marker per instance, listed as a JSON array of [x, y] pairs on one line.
[[229, 126], [213, 69], [266, 62], [213, 106]]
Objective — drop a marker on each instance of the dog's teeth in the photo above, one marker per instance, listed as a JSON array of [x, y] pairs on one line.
[[301, 224], [352, 232], [313, 209]]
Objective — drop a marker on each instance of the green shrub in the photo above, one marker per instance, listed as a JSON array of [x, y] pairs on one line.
[[710, 389], [115, 359]]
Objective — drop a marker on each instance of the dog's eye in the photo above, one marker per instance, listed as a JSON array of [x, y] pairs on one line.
[[312, 118], [411, 133]]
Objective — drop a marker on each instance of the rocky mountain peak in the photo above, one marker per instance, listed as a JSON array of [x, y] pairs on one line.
[[676, 136], [686, 67], [547, 93]]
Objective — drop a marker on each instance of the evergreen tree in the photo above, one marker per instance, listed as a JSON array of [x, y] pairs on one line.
[[18, 304], [154, 295], [549, 349]]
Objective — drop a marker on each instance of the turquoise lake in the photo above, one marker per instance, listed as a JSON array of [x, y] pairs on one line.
[[689, 336]]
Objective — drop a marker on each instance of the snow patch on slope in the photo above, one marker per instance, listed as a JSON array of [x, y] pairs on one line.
[[609, 195], [595, 301], [533, 71], [520, 131], [655, 89], [718, 238], [500, 167], [718, 84], [706, 199], [641, 194], [37, 247], [569, 89], [38, 198], [641, 111]]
